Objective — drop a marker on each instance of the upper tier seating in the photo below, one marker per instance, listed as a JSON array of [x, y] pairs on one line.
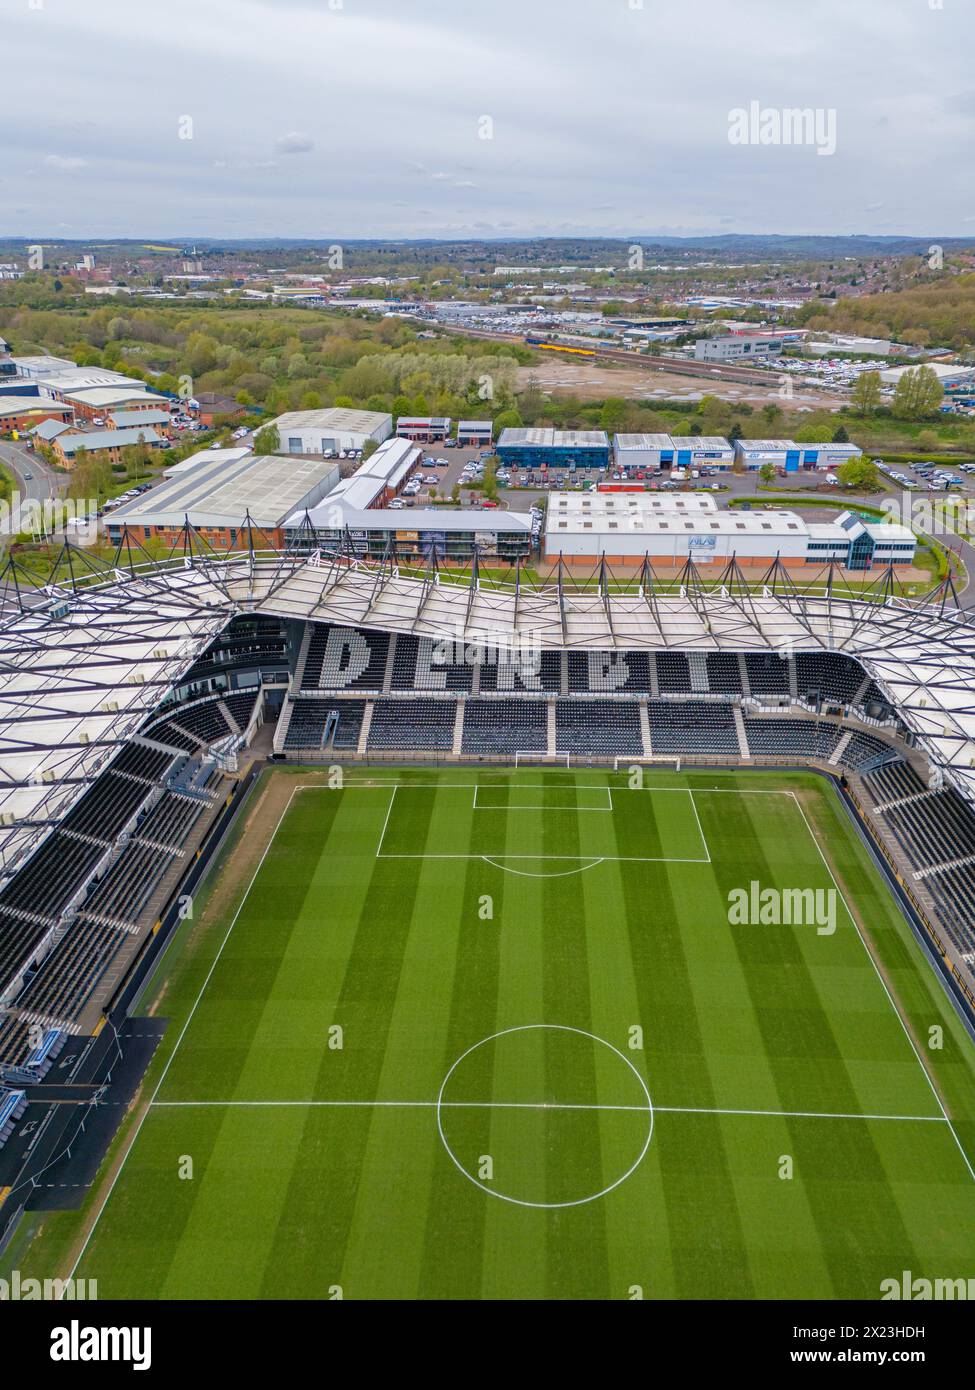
[[343, 658]]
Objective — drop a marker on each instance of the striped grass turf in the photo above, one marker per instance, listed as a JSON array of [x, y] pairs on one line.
[[438, 932]]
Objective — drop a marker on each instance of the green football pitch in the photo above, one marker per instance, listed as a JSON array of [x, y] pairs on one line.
[[473, 1034]]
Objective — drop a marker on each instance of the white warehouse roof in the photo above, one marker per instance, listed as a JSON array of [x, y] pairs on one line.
[[332, 418]]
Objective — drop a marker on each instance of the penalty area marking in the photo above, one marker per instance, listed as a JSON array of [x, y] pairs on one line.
[[585, 861], [531, 786]]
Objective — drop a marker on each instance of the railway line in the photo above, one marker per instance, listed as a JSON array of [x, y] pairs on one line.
[[676, 366]]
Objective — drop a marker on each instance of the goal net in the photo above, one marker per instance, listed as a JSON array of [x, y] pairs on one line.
[[527, 758], [624, 761]]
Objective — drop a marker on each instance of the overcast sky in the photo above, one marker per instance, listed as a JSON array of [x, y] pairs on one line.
[[359, 118]]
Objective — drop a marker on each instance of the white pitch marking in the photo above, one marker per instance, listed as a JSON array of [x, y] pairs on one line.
[[382, 836], [890, 997], [182, 1034], [700, 828], [526, 873], [557, 1028], [538, 1105]]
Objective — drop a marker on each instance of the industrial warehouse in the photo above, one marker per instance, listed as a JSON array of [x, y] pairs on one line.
[[330, 431], [220, 498], [583, 529]]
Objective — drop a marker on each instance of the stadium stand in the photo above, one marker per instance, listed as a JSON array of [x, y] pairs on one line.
[[673, 673], [419, 665], [827, 676], [535, 671], [767, 674], [420, 724], [342, 658], [505, 727], [310, 723], [723, 673], [693, 726], [791, 738], [617, 672], [597, 726]]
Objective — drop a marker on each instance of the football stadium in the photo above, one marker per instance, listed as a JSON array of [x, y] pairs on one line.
[[381, 930]]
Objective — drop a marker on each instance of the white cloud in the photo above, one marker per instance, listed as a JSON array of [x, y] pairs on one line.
[[605, 118], [65, 163], [295, 142]]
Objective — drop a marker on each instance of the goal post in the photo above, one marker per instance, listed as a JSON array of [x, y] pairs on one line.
[[526, 758], [625, 760]]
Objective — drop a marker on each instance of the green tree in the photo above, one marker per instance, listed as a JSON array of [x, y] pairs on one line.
[[369, 448], [612, 414], [865, 396], [918, 394], [267, 440], [841, 436], [858, 473], [508, 420], [767, 472]]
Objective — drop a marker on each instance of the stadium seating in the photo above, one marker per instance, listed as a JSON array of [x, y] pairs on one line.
[[505, 727], [541, 671], [606, 727], [421, 664], [241, 705], [673, 673], [724, 673], [609, 672], [791, 738], [863, 749], [693, 726], [420, 724], [828, 676], [309, 721], [768, 674], [341, 658]]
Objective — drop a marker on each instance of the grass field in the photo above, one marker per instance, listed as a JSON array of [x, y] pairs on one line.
[[561, 1072]]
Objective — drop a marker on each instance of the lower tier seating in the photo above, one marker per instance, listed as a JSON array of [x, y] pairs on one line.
[[597, 726], [692, 726]]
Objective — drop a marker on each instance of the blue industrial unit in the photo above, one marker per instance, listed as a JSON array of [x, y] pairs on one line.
[[545, 448]]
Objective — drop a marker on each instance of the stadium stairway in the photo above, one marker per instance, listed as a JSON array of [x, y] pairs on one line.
[[746, 688], [390, 666], [284, 721], [645, 726], [742, 734], [366, 726], [841, 748]]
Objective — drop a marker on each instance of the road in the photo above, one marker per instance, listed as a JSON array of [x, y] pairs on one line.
[[43, 482]]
